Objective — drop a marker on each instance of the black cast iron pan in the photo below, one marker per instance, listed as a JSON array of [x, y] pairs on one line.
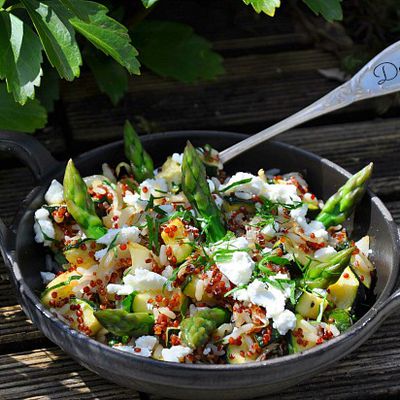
[[25, 259]]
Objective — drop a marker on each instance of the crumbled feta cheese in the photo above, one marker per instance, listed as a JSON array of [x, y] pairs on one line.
[[255, 186], [142, 280], [238, 269], [315, 227], [155, 187], [146, 345], [235, 243], [270, 230], [284, 322], [175, 353], [134, 200], [47, 277], [55, 193], [281, 193], [324, 253], [125, 235], [177, 157], [272, 299], [43, 227], [259, 293]]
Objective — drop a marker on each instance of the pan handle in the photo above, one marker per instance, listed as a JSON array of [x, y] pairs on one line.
[[38, 159], [30, 151]]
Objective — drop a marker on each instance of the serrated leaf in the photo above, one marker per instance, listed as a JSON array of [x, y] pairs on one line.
[[15, 117], [149, 3], [331, 10], [172, 49], [266, 6], [50, 19], [111, 77], [20, 57], [49, 90], [107, 34]]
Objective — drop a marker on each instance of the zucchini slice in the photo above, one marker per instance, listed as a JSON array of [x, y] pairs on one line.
[[241, 354], [344, 291], [174, 235], [60, 287], [90, 322], [309, 305]]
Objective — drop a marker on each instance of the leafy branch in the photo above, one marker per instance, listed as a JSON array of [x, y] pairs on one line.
[[42, 41]]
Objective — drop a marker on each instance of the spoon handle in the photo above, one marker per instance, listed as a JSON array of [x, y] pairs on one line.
[[379, 77]]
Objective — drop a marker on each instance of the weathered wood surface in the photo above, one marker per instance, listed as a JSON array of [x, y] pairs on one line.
[[272, 71]]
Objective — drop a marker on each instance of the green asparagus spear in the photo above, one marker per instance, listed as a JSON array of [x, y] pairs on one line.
[[321, 275], [340, 206], [196, 330], [141, 163], [80, 204], [196, 189], [122, 323]]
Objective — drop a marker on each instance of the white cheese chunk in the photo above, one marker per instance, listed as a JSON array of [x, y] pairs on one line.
[[254, 186], [325, 253], [43, 227], [238, 269], [156, 187], [177, 157], [55, 193], [281, 193], [142, 280], [175, 353], [146, 345], [314, 227], [125, 235], [284, 322]]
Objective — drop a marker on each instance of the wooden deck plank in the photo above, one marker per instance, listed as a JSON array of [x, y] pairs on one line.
[[49, 373], [52, 373]]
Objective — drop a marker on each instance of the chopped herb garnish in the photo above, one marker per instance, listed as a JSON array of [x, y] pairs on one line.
[[235, 290], [234, 184], [153, 227]]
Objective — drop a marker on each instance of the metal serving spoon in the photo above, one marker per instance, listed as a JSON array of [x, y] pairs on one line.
[[379, 77]]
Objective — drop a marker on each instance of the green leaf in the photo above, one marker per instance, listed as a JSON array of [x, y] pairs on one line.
[[172, 49], [266, 6], [111, 78], [20, 57], [15, 117], [331, 10], [49, 90], [75, 10], [57, 35], [106, 34], [2, 3], [149, 3]]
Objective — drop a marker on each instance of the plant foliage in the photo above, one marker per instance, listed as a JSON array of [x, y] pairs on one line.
[[42, 41]]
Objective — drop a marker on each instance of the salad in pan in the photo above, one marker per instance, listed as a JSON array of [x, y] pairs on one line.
[[184, 263]]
